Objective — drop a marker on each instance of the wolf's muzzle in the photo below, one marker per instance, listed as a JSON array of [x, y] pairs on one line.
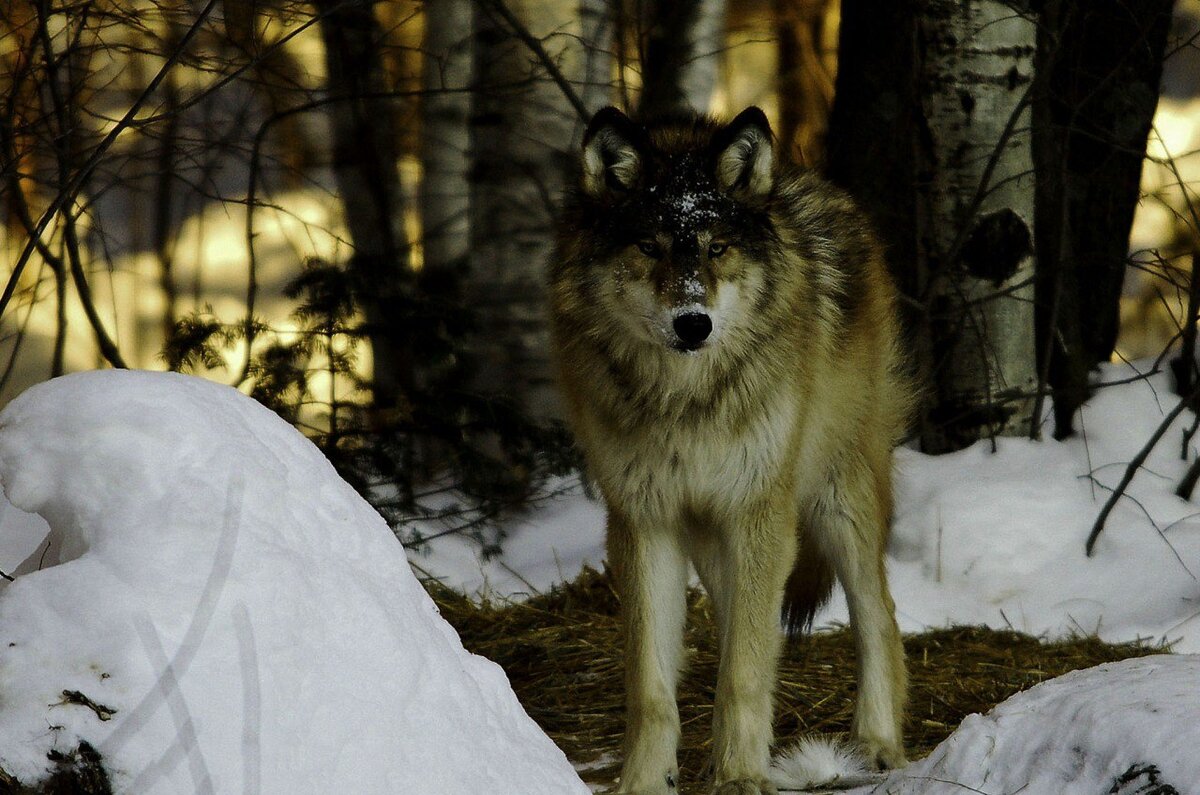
[[692, 329]]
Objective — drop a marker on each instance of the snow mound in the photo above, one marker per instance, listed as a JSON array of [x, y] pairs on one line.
[[1120, 727], [251, 622]]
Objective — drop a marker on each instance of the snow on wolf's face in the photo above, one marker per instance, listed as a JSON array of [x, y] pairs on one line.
[[680, 210]]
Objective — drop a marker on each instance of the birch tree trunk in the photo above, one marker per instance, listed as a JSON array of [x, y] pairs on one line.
[[976, 219], [365, 151], [598, 26], [524, 134], [446, 140], [682, 56]]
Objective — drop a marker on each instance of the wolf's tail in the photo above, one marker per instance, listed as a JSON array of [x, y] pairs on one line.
[[808, 588], [821, 762]]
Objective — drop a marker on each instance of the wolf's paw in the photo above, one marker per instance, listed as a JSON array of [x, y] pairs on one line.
[[884, 756], [667, 786], [746, 786]]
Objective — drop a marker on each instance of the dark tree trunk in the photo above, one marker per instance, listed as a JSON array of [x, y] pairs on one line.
[[523, 134], [875, 124], [1098, 68], [876, 90], [365, 151], [446, 141]]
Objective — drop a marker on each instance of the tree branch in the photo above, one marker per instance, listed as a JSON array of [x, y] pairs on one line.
[[68, 192], [62, 150], [535, 46], [1134, 466]]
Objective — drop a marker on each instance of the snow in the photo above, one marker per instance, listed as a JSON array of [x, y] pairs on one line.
[[254, 625], [1081, 732], [249, 619]]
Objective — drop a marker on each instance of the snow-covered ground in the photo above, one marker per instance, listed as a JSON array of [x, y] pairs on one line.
[[253, 625]]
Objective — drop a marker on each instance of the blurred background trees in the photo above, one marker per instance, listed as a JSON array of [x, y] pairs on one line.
[[344, 207]]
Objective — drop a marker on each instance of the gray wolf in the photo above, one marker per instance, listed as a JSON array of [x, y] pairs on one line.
[[726, 337]]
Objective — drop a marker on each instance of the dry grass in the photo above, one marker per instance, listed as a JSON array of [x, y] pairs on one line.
[[562, 654]]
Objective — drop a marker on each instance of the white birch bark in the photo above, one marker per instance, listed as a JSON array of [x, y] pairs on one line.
[[523, 135], [976, 218], [707, 39], [684, 41]]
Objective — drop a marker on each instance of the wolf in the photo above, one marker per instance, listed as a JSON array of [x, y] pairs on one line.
[[726, 338]]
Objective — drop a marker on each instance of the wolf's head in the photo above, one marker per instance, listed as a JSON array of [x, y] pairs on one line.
[[674, 221]]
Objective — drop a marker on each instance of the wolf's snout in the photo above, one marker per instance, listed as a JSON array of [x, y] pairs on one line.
[[692, 329]]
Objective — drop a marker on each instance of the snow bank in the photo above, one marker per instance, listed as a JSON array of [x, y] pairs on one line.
[[251, 621], [1118, 727]]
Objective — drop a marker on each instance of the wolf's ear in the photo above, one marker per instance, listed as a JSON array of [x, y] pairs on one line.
[[611, 156], [744, 155]]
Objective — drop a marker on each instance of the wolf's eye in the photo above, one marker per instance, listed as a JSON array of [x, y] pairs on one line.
[[649, 248], [717, 249]]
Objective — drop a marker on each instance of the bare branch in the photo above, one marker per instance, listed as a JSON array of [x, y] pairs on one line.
[[62, 151], [1134, 466], [535, 46], [67, 193]]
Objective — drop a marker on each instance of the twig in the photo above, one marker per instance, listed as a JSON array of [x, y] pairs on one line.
[[1161, 533], [532, 588], [535, 46], [79, 699], [1135, 465], [62, 151], [67, 192]]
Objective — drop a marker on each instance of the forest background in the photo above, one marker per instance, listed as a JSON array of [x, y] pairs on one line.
[[344, 208]]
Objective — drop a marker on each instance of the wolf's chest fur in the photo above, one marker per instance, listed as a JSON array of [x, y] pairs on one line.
[[703, 437]]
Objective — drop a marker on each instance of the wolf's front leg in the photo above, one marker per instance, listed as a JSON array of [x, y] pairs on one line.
[[745, 572], [650, 570]]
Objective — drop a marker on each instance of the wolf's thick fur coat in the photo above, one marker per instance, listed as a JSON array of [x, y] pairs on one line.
[[761, 454]]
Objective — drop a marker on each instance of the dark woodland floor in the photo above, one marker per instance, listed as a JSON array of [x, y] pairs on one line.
[[561, 651]]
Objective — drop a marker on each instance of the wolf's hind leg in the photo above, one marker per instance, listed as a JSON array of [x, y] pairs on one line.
[[851, 524], [650, 570]]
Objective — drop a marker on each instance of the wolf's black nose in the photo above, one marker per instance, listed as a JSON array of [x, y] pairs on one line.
[[692, 329]]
